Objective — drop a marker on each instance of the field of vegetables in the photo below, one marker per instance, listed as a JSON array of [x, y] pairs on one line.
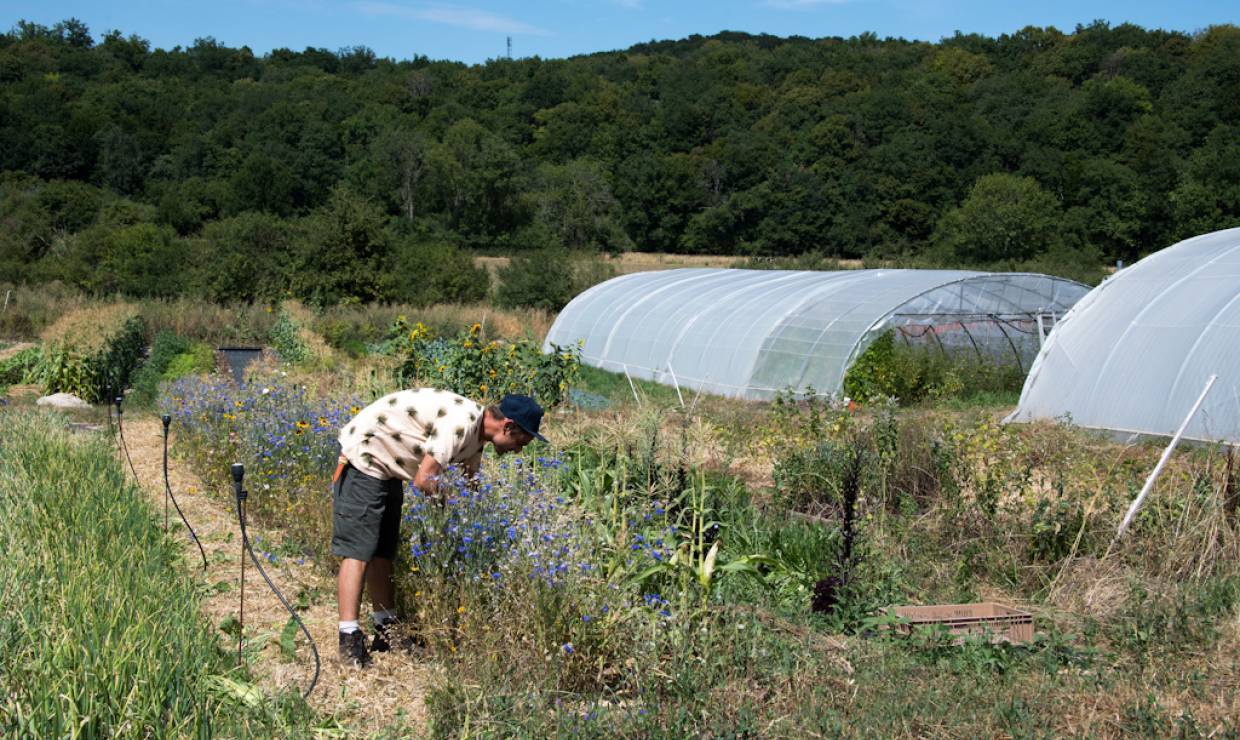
[[657, 570]]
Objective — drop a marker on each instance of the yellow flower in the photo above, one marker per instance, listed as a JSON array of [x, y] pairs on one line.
[[482, 387], [460, 610], [353, 409], [468, 344], [473, 330]]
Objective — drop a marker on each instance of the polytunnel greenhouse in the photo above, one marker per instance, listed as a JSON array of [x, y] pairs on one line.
[[754, 333], [1135, 354]]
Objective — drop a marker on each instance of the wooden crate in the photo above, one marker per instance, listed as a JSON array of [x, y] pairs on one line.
[[1002, 623]]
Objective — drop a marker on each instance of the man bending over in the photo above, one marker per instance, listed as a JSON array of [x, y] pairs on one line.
[[410, 435]]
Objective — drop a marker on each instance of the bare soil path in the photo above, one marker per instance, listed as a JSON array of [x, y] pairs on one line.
[[386, 698]]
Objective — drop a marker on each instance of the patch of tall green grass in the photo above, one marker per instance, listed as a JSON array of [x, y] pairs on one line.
[[100, 629], [615, 388]]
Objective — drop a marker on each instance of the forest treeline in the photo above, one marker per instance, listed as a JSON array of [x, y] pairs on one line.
[[339, 175]]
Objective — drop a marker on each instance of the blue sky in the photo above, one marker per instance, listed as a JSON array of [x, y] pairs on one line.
[[475, 30]]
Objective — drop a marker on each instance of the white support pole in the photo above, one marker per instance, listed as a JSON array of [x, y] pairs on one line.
[[1162, 462], [7, 293], [698, 395], [632, 387], [1041, 331], [677, 384]]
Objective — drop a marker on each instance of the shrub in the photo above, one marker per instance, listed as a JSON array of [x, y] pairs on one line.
[[171, 357], [199, 358], [480, 369], [294, 340], [89, 350], [910, 374], [17, 368], [543, 279], [286, 340], [437, 273], [146, 378]]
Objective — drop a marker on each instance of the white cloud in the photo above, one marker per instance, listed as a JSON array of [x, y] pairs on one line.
[[453, 15], [629, 4]]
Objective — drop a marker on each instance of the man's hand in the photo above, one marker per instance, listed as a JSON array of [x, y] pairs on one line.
[[427, 478]]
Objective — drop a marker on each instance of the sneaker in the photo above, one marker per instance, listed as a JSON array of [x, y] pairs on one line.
[[353, 649], [393, 632]]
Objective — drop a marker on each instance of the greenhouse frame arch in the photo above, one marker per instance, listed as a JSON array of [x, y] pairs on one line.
[[1133, 356], [755, 333]]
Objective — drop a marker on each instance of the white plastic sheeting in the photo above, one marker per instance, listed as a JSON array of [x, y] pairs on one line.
[[753, 333], [1134, 354]]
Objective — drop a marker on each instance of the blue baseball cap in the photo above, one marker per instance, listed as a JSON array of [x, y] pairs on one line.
[[524, 412]]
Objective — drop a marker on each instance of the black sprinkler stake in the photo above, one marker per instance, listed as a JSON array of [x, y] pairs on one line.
[[167, 489], [238, 476], [120, 432], [168, 495]]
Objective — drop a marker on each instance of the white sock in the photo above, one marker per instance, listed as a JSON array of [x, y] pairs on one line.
[[349, 627], [384, 615]]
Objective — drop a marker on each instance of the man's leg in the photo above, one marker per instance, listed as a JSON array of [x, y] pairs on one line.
[[357, 510], [349, 587], [380, 584]]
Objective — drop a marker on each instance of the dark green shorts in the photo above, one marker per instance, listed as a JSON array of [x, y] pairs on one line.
[[365, 515]]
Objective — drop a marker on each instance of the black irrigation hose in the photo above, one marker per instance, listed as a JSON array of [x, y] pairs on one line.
[[238, 475], [121, 432], [168, 495]]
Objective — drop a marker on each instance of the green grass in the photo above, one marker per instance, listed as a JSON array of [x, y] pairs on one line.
[[980, 400], [616, 389], [100, 629]]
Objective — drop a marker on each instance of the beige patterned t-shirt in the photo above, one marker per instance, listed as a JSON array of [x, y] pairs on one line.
[[388, 438]]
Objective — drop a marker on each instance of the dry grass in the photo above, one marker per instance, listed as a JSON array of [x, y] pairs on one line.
[[88, 330], [31, 309], [629, 262], [13, 349], [388, 695], [217, 324], [372, 321]]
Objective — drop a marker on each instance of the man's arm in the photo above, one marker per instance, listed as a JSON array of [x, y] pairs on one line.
[[427, 478]]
